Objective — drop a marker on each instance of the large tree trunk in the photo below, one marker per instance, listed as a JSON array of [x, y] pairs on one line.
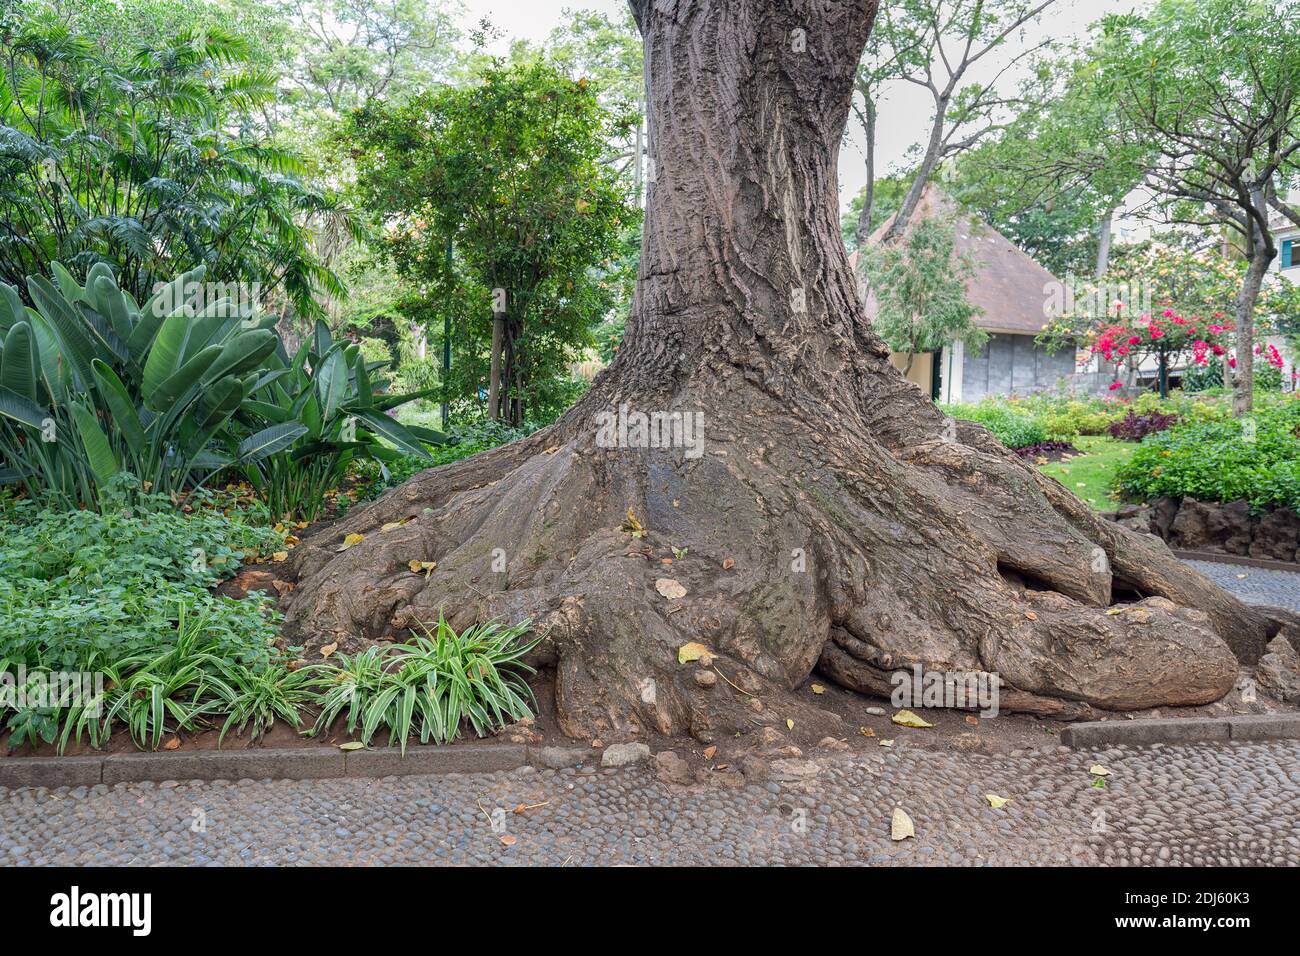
[[834, 520]]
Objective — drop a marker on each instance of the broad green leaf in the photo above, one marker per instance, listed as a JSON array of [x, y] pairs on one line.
[[118, 400], [18, 363], [20, 409], [392, 431], [99, 453], [165, 355], [269, 441]]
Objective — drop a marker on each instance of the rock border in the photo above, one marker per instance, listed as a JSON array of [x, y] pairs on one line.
[[316, 763], [1221, 557], [1181, 730]]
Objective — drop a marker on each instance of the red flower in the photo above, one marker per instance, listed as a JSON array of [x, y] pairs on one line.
[[1115, 385]]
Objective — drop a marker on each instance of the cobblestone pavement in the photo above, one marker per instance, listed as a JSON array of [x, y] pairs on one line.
[[1185, 805], [1254, 585], [1188, 805]]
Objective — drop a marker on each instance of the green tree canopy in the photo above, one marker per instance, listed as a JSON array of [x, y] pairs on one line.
[[509, 172]]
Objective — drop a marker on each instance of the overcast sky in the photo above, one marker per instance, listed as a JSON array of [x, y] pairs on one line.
[[905, 110]]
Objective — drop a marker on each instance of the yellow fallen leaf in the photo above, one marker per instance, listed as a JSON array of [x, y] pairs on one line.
[[329, 649], [789, 724], [901, 827], [866, 732], [279, 555], [352, 539], [351, 745], [1098, 770], [417, 566], [691, 652], [818, 689], [1031, 615], [905, 718], [886, 743], [995, 801]]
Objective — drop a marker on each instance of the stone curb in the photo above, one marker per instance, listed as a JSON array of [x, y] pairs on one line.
[[1217, 557], [1180, 730], [315, 763]]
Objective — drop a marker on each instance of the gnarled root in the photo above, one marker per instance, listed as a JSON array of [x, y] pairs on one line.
[[796, 548]]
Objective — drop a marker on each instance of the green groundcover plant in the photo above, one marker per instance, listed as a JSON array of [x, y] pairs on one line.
[[1256, 459], [82, 588]]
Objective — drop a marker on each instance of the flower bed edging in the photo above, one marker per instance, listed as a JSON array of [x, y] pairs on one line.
[[315, 763]]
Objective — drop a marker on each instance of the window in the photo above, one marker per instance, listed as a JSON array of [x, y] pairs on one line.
[[1288, 254]]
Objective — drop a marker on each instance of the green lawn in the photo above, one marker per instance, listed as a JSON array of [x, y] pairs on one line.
[[1089, 474]]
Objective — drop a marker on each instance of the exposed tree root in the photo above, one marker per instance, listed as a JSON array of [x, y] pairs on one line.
[[800, 549]]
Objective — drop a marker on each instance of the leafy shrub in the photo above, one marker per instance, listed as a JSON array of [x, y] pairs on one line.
[[1256, 459], [431, 685], [1013, 428], [1135, 427], [81, 589], [462, 442], [1043, 447], [93, 385], [328, 409]]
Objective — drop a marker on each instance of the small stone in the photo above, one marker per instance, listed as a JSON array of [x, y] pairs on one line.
[[875, 711], [705, 678], [770, 737], [672, 768], [621, 755], [755, 768], [830, 743]]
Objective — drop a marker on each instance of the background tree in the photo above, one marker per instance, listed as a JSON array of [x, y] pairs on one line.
[[934, 44], [919, 285], [1211, 90], [148, 161], [510, 172]]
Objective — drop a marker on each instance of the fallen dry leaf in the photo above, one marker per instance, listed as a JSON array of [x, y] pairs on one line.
[[329, 649], [509, 840], [995, 801], [728, 564], [905, 718], [172, 743], [866, 732], [691, 652], [789, 724], [418, 566], [352, 539], [971, 719], [279, 555], [670, 589], [818, 689], [886, 743], [709, 752], [1031, 615], [1098, 770], [900, 827]]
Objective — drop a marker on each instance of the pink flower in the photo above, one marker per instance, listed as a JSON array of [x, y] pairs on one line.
[[1115, 385]]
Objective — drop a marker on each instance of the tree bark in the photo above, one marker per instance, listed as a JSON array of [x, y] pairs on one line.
[[494, 374], [1103, 244], [1261, 250], [863, 232], [831, 518], [923, 172]]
